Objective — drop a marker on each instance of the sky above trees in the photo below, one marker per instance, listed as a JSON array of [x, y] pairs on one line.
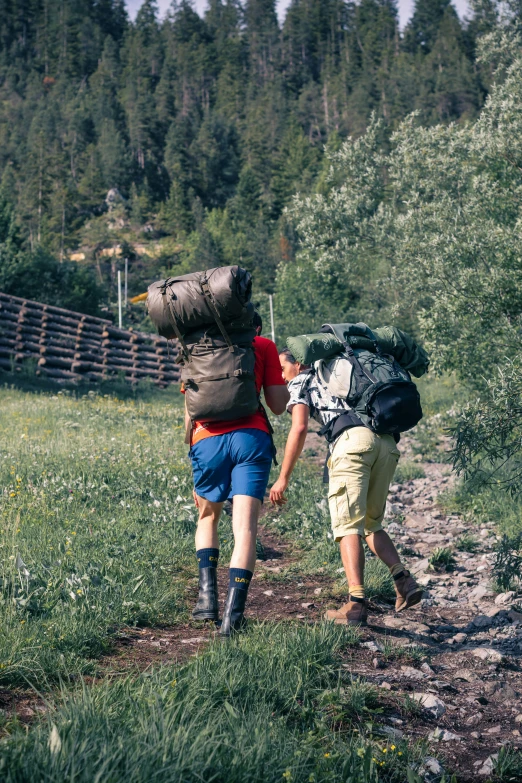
[[405, 7]]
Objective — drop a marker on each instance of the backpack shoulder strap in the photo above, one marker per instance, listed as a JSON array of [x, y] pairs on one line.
[[357, 366]]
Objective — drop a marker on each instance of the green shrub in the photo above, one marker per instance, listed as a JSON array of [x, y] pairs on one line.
[[442, 559], [467, 543], [43, 278], [507, 565], [406, 471]]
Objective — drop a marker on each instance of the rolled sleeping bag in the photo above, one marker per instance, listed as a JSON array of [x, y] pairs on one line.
[[239, 330], [228, 287]]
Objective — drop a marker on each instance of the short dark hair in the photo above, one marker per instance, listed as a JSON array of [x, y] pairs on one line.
[[289, 356], [257, 321]]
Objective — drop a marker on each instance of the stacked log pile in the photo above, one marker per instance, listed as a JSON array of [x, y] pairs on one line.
[[69, 346]]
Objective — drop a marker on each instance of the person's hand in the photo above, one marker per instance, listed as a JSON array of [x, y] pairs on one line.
[[196, 501], [277, 497]]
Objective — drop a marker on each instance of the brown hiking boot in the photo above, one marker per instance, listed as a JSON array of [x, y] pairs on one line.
[[352, 613], [408, 592]]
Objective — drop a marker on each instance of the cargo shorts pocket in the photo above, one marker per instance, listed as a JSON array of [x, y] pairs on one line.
[[338, 503], [347, 508]]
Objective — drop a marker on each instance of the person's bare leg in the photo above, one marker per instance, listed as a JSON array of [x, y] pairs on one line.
[[352, 555], [355, 612], [409, 593], [245, 514], [207, 538], [381, 545], [207, 529]]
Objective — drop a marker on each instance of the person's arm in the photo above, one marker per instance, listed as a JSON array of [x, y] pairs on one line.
[[277, 398], [188, 426], [277, 395], [294, 446]]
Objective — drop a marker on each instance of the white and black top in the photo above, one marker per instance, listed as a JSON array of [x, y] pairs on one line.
[[305, 389]]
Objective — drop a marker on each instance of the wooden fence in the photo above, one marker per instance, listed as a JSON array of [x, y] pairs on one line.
[[73, 347]]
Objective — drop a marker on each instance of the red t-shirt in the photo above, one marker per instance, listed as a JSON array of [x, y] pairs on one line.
[[267, 370]]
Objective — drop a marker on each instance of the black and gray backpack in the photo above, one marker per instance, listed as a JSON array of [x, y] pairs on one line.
[[373, 383]]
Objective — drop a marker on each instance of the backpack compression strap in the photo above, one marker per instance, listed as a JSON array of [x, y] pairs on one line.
[[206, 290], [172, 317]]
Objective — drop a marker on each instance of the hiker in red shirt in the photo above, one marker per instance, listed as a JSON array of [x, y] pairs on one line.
[[232, 459]]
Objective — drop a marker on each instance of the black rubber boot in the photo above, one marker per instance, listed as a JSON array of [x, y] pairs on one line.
[[233, 620], [207, 605]]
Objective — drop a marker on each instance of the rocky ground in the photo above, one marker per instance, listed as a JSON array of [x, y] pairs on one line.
[[467, 640], [448, 672]]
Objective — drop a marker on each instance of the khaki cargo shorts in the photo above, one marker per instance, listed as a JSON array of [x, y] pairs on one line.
[[361, 468]]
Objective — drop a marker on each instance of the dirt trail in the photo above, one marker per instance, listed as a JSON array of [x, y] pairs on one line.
[[459, 652]]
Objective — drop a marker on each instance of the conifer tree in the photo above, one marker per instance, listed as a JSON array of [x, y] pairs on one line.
[[423, 28]]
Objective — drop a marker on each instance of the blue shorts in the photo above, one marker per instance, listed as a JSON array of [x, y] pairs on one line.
[[237, 463]]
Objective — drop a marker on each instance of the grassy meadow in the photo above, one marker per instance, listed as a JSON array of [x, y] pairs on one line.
[[97, 534]]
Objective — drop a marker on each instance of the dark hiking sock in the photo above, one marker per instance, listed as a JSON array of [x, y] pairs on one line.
[[397, 570], [207, 558], [240, 578]]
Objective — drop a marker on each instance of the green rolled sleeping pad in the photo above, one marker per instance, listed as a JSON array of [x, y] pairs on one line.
[[310, 348]]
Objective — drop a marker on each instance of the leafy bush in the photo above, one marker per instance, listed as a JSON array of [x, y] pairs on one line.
[[507, 565], [41, 277], [437, 208]]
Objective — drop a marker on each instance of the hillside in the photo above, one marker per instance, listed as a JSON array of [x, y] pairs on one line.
[[177, 143]]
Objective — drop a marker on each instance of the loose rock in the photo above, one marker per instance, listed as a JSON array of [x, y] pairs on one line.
[[442, 735], [411, 673], [482, 621], [431, 703], [505, 598], [488, 766], [465, 674], [488, 654]]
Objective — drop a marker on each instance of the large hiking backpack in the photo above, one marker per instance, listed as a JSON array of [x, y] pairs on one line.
[[372, 382], [211, 315]]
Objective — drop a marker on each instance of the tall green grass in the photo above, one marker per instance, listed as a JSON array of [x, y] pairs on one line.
[[270, 706], [96, 529], [97, 532]]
